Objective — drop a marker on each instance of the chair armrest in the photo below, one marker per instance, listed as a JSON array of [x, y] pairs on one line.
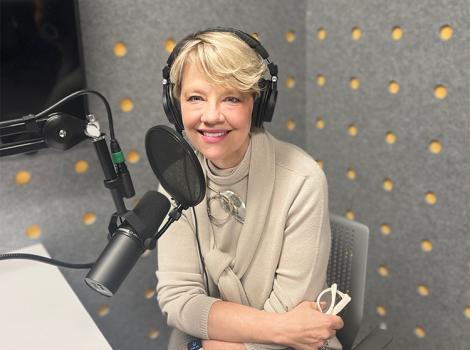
[[376, 340]]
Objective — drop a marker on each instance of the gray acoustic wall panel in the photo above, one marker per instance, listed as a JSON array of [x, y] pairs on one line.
[[407, 161], [64, 204], [395, 151]]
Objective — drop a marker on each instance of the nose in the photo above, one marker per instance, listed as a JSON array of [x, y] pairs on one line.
[[212, 114]]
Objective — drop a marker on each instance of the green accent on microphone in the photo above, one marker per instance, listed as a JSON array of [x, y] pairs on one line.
[[118, 157]]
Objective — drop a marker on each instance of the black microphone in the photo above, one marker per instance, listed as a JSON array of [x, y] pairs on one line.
[[127, 243]]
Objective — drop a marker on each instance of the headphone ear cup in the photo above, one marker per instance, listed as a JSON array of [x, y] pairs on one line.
[[166, 104], [172, 109], [178, 116], [270, 106], [255, 119], [259, 105], [264, 98]]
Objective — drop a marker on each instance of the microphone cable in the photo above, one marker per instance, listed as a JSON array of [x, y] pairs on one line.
[[45, 260], [200, 251], [60, 103], [40, 258]]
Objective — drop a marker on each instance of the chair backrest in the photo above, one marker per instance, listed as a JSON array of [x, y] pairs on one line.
[[347, 268]]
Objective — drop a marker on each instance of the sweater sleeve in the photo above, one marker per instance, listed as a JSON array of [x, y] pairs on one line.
[[181, 291], [301, 273]]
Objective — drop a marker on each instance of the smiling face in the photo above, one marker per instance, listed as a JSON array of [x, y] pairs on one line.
[[216, 119]]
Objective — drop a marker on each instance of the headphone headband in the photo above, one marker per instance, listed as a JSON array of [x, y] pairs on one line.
[[247, 38]]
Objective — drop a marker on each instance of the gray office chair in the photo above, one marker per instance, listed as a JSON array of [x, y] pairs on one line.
[[347, 268]]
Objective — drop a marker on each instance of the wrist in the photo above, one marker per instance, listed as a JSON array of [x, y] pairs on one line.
[[279, 334]]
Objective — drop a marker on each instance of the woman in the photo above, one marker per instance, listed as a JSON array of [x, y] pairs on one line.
[[241, 270]]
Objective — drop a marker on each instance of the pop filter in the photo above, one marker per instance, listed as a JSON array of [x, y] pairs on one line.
[[176, 165]]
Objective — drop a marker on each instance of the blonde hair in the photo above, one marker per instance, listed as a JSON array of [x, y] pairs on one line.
[[224, 58]]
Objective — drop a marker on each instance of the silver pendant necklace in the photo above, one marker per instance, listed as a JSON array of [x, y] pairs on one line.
[[232, 204]]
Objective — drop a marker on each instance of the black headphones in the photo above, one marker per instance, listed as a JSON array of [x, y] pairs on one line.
[[263, 107]]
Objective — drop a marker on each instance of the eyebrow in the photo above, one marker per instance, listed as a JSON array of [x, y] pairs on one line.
[[196, 90], [191, 90]]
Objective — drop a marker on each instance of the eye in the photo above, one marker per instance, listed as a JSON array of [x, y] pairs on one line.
[[194, 98], [232, 99]]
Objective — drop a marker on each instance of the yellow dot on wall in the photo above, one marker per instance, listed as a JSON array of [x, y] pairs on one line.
[[423, 290], [290, 36], [426, 245], [356, 33], [446, 32], [89, 218], [420, 332], [290, 82], [290, 124], [355, 83], [435, 147], [321, 163], [153, 333], [103, 310], [383, 271], [320, 123], [133, 157], [23, 177], [390, 138], [397, 33], [120, 49], [352, 130], [33, 231], [169, 45], [321, 33], [126, 104], [351, 174], [255, 35], [381, 310], [440, 92], [385, 229], [350, 215], [321, 80], [467, 312], [388, 185], [149, 293], [431, 198], [393, 87], [81, 166]]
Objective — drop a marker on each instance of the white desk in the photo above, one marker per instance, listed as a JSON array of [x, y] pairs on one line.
[[39, 310]]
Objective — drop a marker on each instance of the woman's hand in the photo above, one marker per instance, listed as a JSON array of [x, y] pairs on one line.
[[305, 327]]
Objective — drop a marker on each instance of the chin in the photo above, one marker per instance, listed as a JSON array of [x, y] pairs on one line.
[[214, 156]]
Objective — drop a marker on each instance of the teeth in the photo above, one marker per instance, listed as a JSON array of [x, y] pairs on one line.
[[214, 134]]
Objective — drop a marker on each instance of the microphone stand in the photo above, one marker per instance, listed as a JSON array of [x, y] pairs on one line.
[[62, 131], [173, 216]]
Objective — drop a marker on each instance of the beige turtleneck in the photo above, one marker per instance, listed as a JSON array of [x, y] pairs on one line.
[[272, 262]]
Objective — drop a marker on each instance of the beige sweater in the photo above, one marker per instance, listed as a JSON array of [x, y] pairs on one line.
[[272, 262]]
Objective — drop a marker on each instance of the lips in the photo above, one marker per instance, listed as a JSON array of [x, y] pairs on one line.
[[214, 133], [213, 136]]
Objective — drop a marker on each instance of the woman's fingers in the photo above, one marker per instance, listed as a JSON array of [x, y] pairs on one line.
[[309, 328], [337, 322], [314, 305]]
